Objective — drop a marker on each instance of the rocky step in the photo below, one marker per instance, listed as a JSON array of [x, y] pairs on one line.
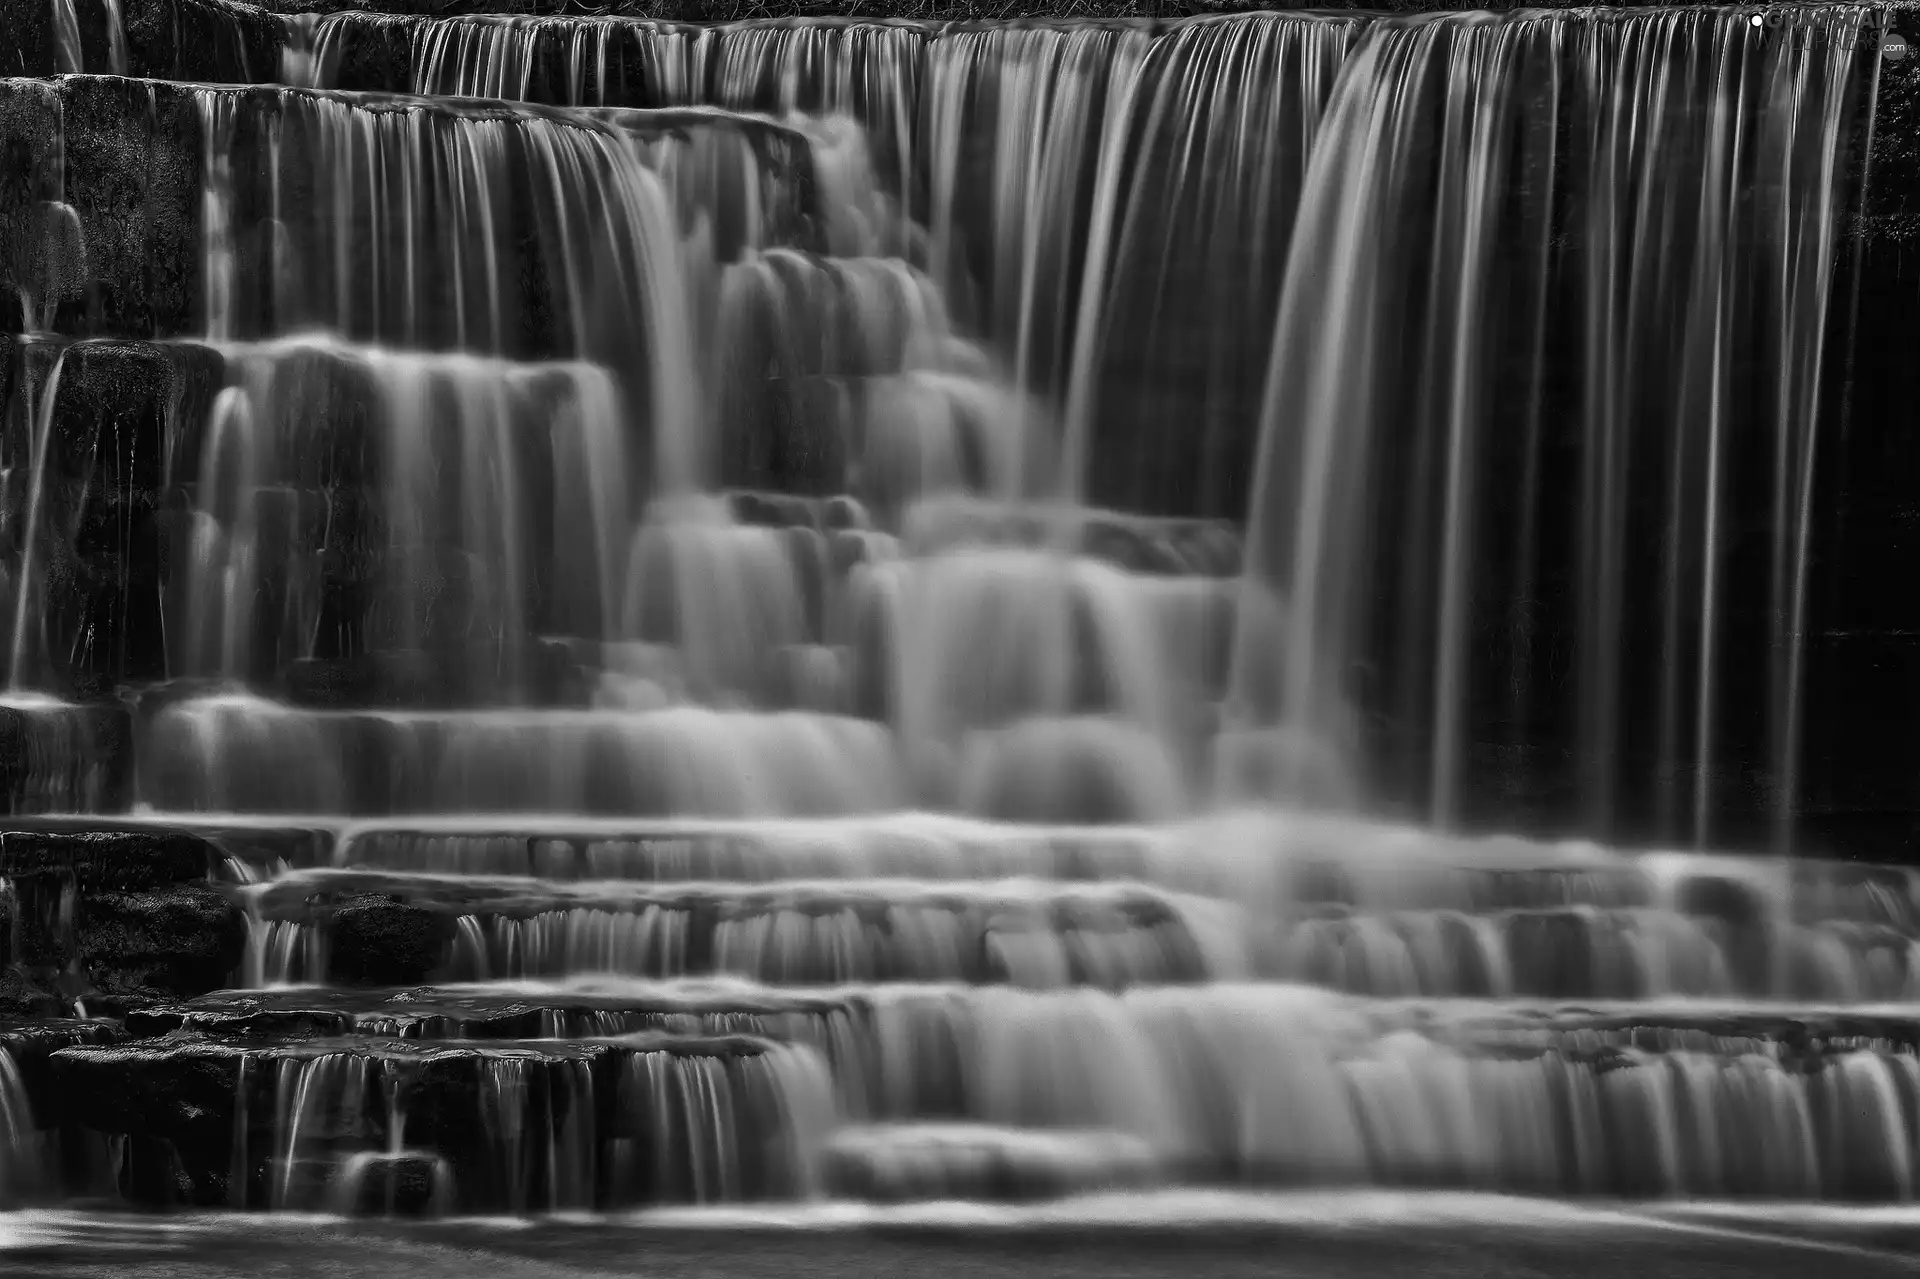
[[107, 182], [1273, 858], [1273, 1085], [958, 1019], [1279, 858], [129, 847], [127, 853], [280, 1124], [98, 917], [115, 911], [522, 1010], [348, 925], [387, 927], [26, 1046]]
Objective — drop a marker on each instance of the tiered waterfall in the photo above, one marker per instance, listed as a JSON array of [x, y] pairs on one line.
[[605, 613]]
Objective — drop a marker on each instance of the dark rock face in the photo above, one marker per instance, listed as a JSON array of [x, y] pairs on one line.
[[30, 1043], [378, 941], [20, 996], [111, 916], [178, 1088], [183, 940], [121, 159], [95, 426], [66, 759], [113, 860]]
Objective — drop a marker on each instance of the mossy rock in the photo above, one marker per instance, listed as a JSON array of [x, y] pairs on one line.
[[180, 941], [378, 941], [127, 860]]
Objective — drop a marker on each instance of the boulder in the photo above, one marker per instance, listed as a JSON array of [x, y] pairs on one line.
[[178, 941], [403, 1184], [379, 941]]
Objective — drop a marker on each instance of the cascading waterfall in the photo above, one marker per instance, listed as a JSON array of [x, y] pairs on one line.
[[846, 606]]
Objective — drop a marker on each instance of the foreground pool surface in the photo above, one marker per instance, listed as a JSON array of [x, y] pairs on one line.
[[1356, 1235]]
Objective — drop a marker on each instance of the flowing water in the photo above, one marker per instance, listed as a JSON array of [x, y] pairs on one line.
[[870, 585]]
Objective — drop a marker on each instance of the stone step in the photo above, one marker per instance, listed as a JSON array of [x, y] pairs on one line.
[[106, 195], [96, 917], [238, 850], [525, 1010], [518, 1124], [396, 927], [1271, 1085], [1273, 857], [339, 925], [863, 1016], [1272, 860], [28, 1045]]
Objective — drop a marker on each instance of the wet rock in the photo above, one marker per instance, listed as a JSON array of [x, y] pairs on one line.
[[112, 413], [30, 1043], [26, 38], [124, 156], [178, 39], [182, 940], [207, 43], [22, 996], [1732, 901], [180, 1087], [155, 1172], [408, 1184], [379, 941], [106, 860]]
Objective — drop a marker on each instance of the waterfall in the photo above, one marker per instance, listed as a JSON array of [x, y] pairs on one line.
[[29, 601], [816, 610], [1476, 106]]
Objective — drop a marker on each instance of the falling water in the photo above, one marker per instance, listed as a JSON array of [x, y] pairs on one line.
[[116, 38], [19, 1139], [1495, 112], [66, 36], [29, 602], [851, 601]]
